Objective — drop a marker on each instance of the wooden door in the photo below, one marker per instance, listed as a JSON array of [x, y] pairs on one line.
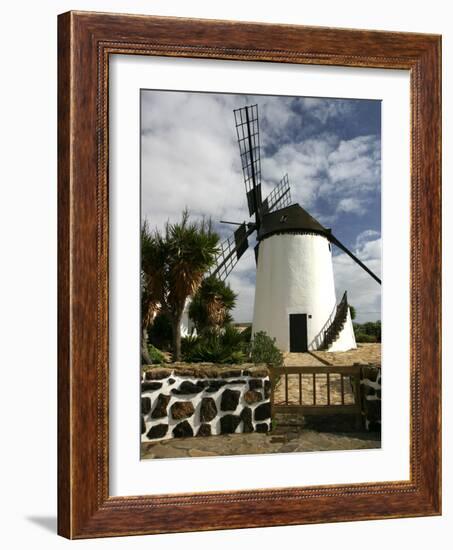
[[298, 332]]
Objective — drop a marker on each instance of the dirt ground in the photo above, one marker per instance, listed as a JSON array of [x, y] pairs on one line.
[[364, 354]]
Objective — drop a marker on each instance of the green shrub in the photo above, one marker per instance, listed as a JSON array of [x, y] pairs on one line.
[[160, 332], [231, 338], [363, 338], [263, 350], [246, 334], [230, 346], [155, 355], [210, 347], [367, 332], [188, 343]]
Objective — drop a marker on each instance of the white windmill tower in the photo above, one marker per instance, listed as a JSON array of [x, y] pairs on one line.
[[295, 299]]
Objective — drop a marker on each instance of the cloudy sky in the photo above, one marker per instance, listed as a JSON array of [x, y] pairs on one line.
[[330, 148]]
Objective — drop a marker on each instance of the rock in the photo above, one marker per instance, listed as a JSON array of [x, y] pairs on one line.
[[182, 409], [183, 429], [257, 372], [198, 452], [157, 431], [185, 371], [215, 385], [239, 381], [367, 390], [374, 426], [157, 373], [160, 408], [373, 410], [230, 400], [204, 430], [187, 387], [246, 416], [229, 423], [288, 448], [151, 386], [267, 389], [208, 409], [263, 411], [255, 383], [171, 381], [253, 396], [200, 370], [145, 405], [371, 373], [279, 439], [142, 425], [211, 372], [262, 428], [230, 373]]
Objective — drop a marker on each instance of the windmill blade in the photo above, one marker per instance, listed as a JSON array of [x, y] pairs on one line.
[[340, 245], [279, 197], [248, 135], [231, 250]]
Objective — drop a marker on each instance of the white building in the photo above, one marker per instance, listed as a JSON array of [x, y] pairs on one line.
[[295, 300], [187, 325]]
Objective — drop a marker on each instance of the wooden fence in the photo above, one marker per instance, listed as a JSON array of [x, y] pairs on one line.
[[298, 389]]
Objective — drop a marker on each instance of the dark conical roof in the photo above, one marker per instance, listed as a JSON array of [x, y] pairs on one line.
[[292, 219]]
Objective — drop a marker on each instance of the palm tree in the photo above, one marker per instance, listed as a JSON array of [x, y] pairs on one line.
[[174, 263], [151, 284], [211, 305]]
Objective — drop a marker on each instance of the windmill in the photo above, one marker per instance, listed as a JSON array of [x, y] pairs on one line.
[[295, 300]]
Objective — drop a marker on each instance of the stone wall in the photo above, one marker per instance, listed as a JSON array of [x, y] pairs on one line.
[[184, 400], [370, 391]]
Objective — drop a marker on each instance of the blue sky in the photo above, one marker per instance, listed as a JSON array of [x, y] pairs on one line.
[[330, 148]]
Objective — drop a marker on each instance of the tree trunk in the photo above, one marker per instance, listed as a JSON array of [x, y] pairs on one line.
[[176, 329], [146, 359]]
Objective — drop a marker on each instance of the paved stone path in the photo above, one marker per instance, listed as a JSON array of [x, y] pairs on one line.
[[294, 439]]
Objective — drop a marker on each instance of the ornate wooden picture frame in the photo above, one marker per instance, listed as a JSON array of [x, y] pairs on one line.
[[85, 507]]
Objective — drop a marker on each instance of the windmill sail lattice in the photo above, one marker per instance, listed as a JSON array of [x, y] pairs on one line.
[[230, 251], [248, 134], [279, 197]]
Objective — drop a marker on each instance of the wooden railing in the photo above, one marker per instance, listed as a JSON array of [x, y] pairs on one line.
[[290, 386]]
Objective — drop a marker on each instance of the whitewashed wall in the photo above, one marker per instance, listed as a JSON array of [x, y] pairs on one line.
[[295, 275], [346, 339]]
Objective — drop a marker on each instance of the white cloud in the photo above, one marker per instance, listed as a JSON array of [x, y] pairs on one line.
[[345, 174], [242, 281], [189, 159], [364, 293], [364, 236], [324, 110], [350, 205]]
